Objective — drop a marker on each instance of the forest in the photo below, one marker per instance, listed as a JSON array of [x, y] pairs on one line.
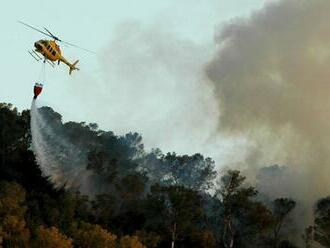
[[138, 198]]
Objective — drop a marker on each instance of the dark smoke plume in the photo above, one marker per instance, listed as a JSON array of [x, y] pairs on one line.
[[272, 80]]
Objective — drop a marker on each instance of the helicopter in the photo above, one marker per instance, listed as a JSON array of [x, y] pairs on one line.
[[50, 51]]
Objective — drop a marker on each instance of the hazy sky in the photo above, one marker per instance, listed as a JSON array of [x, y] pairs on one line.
[[146, 76]]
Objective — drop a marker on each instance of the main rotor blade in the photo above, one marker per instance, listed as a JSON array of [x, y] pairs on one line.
[[40, 31], [49, 34], [55, 38], [70, 44]]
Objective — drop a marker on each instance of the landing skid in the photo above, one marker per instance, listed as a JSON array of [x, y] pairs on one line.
[[38, 58], [35, 55]]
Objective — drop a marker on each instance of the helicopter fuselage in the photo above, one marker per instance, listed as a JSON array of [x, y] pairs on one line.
[[49, 49]]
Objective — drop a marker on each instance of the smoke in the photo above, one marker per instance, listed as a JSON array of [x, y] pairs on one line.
[[271, 76], [152, 81]]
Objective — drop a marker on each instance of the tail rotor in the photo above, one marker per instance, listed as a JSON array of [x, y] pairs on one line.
[[73, 67]]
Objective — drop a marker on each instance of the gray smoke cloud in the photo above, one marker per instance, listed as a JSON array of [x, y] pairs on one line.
[[271, 76], [151, 80]]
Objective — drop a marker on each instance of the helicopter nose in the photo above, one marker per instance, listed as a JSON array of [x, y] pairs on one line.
[[37, 46]]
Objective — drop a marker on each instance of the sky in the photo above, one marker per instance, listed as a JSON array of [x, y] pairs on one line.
[[146, 76]]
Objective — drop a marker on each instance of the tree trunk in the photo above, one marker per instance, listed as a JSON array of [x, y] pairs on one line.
[[173, 235], [228, 235]]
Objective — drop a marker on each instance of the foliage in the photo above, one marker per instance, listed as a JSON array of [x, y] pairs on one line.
[[281, 208], [12, 223], [174, 211], [88, 235], [130, 242], [12, 199], [243, 218], [322, 222], [52, 238], [150, 240], [195, 172], [148, 199], [14, 232]]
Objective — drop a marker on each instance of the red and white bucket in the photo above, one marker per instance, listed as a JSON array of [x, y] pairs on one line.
[[37, 90]]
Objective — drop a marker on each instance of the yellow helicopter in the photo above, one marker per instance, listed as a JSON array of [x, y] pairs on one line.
[[50, 51]]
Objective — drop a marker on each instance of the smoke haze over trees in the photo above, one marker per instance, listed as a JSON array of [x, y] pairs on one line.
[[135, 198]]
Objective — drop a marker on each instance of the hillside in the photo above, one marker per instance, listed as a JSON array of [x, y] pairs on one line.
[[114, 193]]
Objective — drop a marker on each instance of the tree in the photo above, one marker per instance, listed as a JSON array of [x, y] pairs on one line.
[[308, 236], [131, 187], [14, 232], [150, 240], [281, 208], [174, 211], [12, 209], [194, 172], [241, 214], [122, 204], [286, 244], [322, 222], [204, 239], [12, 200], [52, 238], [130, 242], [64, 209], [1, 237], [93, 236], [103, 165]]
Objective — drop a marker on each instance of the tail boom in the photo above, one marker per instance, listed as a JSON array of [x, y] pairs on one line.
[[72, 67]]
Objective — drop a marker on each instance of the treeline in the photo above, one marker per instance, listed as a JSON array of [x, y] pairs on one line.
[[142, 199]]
